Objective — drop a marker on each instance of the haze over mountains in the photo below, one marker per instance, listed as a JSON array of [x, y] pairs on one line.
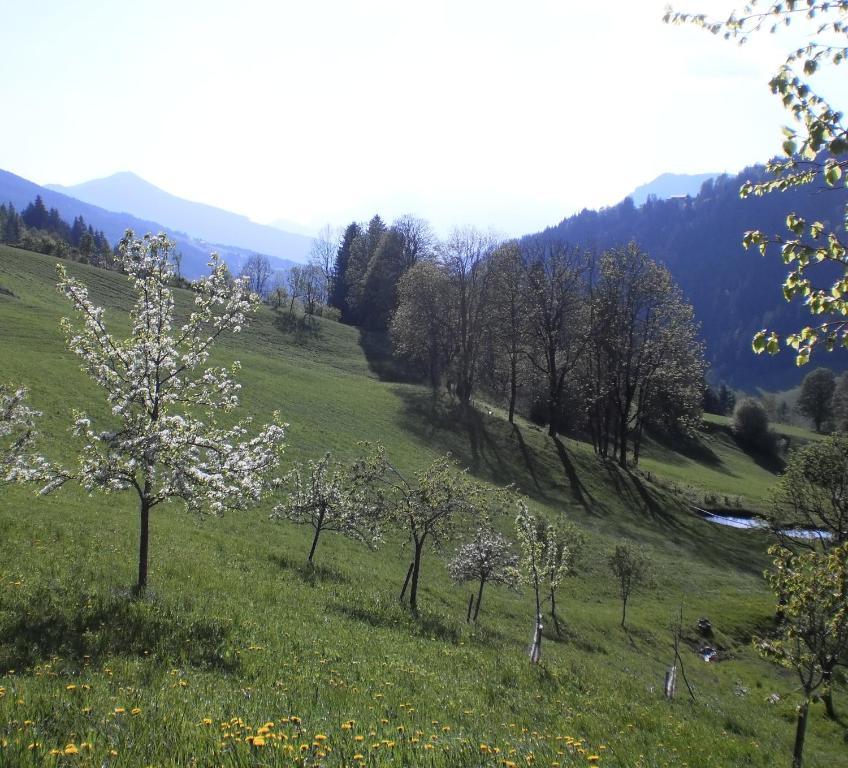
[[130, 193], [668, 185], [691, 223]]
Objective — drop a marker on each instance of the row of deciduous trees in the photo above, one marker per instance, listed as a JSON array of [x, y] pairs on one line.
[[605, 344]]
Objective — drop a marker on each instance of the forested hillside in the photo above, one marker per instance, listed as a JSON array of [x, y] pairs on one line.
[[734, 292]]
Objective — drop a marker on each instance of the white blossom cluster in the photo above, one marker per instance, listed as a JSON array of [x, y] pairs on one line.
[[547, 553], [17, 432], [331, 498], [487, 558], [164, 441]]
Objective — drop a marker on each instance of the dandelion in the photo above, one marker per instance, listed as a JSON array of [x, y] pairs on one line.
[[119, 710], [359, 756], [359, 737], [71, 749], [136, 710]]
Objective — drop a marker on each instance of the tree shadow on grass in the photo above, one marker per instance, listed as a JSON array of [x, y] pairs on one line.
[[310, 573], [379, 352], [300, 329], [387, 612], [691, 448], [44, 623], [579, 491], [460, 429]]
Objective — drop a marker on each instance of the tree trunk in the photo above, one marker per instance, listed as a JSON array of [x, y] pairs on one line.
[[800, 732], [536, 645], [622, 456], [143, 545], [827, 695], [554, 614], [479, 598], [314, 545], [318, 528], [416, 570], [513, 389], [406, 581], [470, 607], [623, 612]]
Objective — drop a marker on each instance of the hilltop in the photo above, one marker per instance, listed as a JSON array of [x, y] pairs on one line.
[[237, 634]]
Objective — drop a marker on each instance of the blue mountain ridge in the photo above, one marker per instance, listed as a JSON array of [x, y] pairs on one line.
[[195, 252]]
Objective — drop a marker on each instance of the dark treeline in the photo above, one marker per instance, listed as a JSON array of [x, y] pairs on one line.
[[601, 345], [38, 229]]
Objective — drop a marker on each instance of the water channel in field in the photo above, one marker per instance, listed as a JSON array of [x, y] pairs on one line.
[[749, 521]]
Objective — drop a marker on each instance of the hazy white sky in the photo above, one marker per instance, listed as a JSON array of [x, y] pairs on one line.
[[503, 114]]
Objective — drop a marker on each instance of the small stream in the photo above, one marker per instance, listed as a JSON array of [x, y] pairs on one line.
[[749, 521]]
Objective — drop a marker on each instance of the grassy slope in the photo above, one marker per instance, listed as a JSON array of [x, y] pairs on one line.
[[236, 628]]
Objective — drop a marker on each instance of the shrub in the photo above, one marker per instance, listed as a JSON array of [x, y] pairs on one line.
[[751, 425]]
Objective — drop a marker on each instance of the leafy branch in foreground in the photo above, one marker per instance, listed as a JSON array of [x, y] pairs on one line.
[[813, 637], [162, 440], [815, 152]]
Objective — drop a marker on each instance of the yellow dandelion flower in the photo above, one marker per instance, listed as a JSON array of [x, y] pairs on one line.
[[359, 738], [256, 741], [71, 749], [136, 710], [119, 710], [428, 746], [593, 758], [359, 756], [113, 752], [319, 737], [384, 721], [70, 687], [207, 721], [346, 726], [295, 719]]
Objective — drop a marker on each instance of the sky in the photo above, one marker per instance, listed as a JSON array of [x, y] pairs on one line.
[[503, 115]]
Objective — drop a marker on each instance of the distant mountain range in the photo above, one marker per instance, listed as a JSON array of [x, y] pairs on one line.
[[669, 185], [195, 248], [128, 192]]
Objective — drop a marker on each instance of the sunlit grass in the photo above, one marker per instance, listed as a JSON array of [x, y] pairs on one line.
[[237, 633]]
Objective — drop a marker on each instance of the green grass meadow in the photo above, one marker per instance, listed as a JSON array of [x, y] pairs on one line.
[[240, 656]]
